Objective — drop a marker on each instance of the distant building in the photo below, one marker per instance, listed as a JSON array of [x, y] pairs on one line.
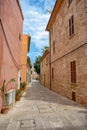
[[34, 74], [67, 28], [45, 69], [29, 66], [11, 26], [25, 61]]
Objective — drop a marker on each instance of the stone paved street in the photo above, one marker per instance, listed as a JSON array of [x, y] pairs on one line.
[[42, 109]]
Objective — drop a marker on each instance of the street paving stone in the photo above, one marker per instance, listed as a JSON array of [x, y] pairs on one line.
[[42, 109]]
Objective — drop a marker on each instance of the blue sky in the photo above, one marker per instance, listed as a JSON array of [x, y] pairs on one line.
[[36, 18]]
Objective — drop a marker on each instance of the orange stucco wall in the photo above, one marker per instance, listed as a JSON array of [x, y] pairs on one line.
[[25, 48]]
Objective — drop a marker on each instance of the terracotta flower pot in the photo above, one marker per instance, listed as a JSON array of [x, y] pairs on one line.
[[4, 110], [18, 98]]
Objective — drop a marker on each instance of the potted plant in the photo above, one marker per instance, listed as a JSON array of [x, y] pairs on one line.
[[18, 94], [23, 86], [4, 95]]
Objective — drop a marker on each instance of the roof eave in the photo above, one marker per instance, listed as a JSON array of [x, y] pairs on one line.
[[54, 13], [44, 55]]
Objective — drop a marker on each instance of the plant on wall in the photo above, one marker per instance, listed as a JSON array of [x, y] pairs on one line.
[[4, 94], [4, 85], [23, 86], [18, 94]]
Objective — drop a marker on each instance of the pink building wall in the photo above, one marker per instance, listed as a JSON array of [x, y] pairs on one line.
[[10, 45]]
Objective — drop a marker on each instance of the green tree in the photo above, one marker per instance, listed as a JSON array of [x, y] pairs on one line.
[[44, 49], [37, 64]]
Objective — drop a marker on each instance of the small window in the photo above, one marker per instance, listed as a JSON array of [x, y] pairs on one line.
[[52, 73], [69, 2], [53, 46], [71, 25], [73, 71]]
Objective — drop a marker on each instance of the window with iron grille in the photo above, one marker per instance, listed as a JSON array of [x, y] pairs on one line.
[[71, 25], [73, 71]]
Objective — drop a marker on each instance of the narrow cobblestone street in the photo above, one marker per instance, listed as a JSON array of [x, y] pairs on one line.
[[42, 109]]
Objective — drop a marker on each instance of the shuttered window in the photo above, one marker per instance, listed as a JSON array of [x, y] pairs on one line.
[[71, 25], [73, 71], [70, 1]]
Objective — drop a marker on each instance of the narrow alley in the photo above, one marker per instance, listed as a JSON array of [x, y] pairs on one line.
[[42, 109]]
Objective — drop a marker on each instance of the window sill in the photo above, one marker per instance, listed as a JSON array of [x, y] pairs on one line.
[[74, 84], [71, 36]]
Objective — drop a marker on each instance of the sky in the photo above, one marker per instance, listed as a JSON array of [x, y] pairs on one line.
[[36, 18]]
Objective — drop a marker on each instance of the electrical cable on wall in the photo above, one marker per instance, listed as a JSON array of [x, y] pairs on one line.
[[16, 64]]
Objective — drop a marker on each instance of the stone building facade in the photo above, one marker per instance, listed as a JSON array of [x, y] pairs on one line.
[[34, 74], [67, 28], [11, 26], [29, 66], [25, 49], [45, 70]]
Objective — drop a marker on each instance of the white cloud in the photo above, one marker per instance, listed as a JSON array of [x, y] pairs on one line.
[[35, 21], [49, 4], [34, 54], [36, 25]]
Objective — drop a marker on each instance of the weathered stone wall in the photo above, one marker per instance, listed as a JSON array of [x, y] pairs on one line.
[[45, 71], [61, 82], [70, 48]]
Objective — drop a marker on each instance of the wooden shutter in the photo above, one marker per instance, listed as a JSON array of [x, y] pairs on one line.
[[70, 1], [52, 73], [71, 25], [73, 71]]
